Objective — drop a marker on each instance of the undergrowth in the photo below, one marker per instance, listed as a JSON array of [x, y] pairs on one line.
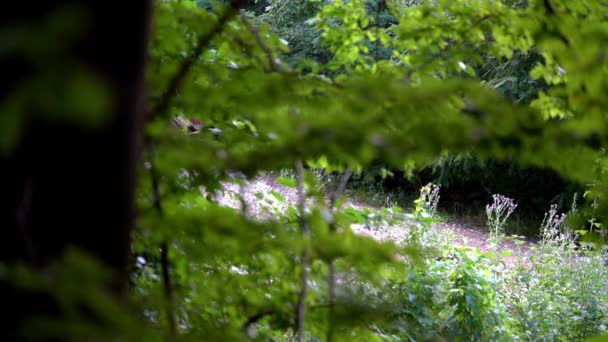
[[552, 292]]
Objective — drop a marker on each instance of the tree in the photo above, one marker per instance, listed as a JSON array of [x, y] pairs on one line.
[[72, 111]]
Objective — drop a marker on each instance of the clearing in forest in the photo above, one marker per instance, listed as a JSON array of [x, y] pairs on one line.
[[263, 195]]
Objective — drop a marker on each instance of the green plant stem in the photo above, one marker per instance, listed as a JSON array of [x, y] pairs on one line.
[[305, 231]]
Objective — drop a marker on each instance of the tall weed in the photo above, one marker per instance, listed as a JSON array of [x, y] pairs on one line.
[[497, 214]]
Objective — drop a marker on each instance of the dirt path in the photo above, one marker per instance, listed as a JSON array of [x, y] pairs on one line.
[[264, 195]]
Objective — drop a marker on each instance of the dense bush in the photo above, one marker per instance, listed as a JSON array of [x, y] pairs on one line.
[[551, 292]]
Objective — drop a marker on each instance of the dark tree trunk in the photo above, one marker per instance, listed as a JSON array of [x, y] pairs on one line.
[[66, 185]]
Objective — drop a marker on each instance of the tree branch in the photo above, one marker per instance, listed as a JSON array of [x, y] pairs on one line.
[[164, 250], [332, 269], [275, 63], [168, 285], [549, 7], [340, 188], [202, 43]]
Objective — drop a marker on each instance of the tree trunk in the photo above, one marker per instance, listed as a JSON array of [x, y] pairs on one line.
[[65, 185]]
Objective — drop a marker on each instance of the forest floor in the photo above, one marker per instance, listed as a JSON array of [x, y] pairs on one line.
[[264, 194]]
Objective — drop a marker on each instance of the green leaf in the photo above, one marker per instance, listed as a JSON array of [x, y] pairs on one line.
[[278, 196], [289, 182], [506, 253]]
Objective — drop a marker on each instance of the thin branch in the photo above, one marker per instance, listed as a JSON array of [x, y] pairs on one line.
[[301, 307], [168, 285], [203, 42], [332, 268], [246, 47], [275, 63], [340, 188], [156, 198], [164, 250]]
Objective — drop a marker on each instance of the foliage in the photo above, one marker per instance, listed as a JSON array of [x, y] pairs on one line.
[[353, 105], [294, 21], [362, 83], [560, 296], [42, 89]]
